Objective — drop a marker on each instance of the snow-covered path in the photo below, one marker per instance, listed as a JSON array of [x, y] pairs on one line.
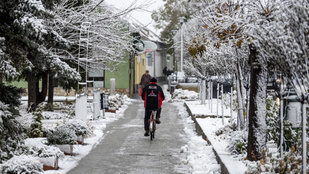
[[124, 149]]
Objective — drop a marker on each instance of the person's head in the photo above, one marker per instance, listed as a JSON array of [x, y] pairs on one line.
[[147, 72], [153, 80]]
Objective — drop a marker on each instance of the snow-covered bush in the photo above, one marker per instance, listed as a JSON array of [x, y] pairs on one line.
[[60, 110], [290, 163], [80, 128], [22, 164], [115, 101], [237, 139], [45, 151], [184, 94], [61, 135], [36, 125], [11, 134], [238, 142]]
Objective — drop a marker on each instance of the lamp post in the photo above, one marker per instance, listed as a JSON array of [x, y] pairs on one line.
[[176, 62], [181, 37]]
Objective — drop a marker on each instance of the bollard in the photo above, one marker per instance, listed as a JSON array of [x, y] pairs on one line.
[[96, 104], [104, 102], [81, 107], [113, 86]]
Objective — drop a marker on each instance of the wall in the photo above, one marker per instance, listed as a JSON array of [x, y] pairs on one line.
[[140, 67], [121, 76]]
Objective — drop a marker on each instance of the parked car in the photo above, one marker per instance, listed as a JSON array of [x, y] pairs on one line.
[[191, 79]]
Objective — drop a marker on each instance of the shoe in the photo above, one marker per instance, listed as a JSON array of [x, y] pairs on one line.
[[146, 133], [158, 120]]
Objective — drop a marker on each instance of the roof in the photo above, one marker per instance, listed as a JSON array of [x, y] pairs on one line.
[[146, 33]]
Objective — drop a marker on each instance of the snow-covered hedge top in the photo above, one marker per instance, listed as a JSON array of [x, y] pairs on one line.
[[45, 151], [184, 94], [80, 128], [22, 164], [115, 101], [62, 135]]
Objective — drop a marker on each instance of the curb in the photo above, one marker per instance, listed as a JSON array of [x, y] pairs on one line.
[[200, 132]]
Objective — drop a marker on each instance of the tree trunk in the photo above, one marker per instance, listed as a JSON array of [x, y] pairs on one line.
[[241, 115], [1, 78], [42, 94], [51, 89], [257, 108], [32, 91]]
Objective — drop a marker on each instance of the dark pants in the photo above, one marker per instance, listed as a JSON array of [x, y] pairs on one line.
[[147, 117]]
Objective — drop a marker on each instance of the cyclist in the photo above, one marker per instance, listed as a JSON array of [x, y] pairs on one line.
[[153, 96]]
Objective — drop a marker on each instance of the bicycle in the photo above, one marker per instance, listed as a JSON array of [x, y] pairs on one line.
[[152, 124]]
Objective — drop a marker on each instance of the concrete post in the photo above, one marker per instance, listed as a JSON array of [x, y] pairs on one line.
[[96, 104], [203, 91], [81, 107], [113, 86]]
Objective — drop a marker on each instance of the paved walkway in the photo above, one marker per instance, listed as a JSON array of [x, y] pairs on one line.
[[124, 149]]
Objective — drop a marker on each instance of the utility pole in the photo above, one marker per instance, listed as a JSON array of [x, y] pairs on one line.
[[181, 36]]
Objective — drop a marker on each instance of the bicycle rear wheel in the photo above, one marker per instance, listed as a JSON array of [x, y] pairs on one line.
[[151, 126]]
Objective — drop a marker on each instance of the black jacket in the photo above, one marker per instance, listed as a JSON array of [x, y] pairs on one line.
[[153, 96]]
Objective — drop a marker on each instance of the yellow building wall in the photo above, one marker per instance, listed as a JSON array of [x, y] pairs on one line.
[[140, 67]]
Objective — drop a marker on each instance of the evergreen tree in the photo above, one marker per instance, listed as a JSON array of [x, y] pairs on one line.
[[28, 41], [11, 131]]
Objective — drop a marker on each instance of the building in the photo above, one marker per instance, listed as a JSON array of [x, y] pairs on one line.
[[129, 74]]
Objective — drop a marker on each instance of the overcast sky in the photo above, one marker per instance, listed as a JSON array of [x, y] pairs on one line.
[[143, 17]]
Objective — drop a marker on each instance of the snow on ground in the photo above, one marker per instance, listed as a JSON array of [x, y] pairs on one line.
[[68, 162], [200, 156], [210, 125]]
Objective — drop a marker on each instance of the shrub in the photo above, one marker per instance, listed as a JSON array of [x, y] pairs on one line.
[[79, 128], [184, 94], [238, 142], [289, 163], [272, 120], [36, 125], [61, 135], [22, 164], [12, 134], [45, 151]]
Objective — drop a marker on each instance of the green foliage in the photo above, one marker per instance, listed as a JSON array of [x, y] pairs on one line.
[[237, 139], [12, 132], [238, 142], [11, 136], [240, 147], [272, 120], [36, 126], [10, 95]]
